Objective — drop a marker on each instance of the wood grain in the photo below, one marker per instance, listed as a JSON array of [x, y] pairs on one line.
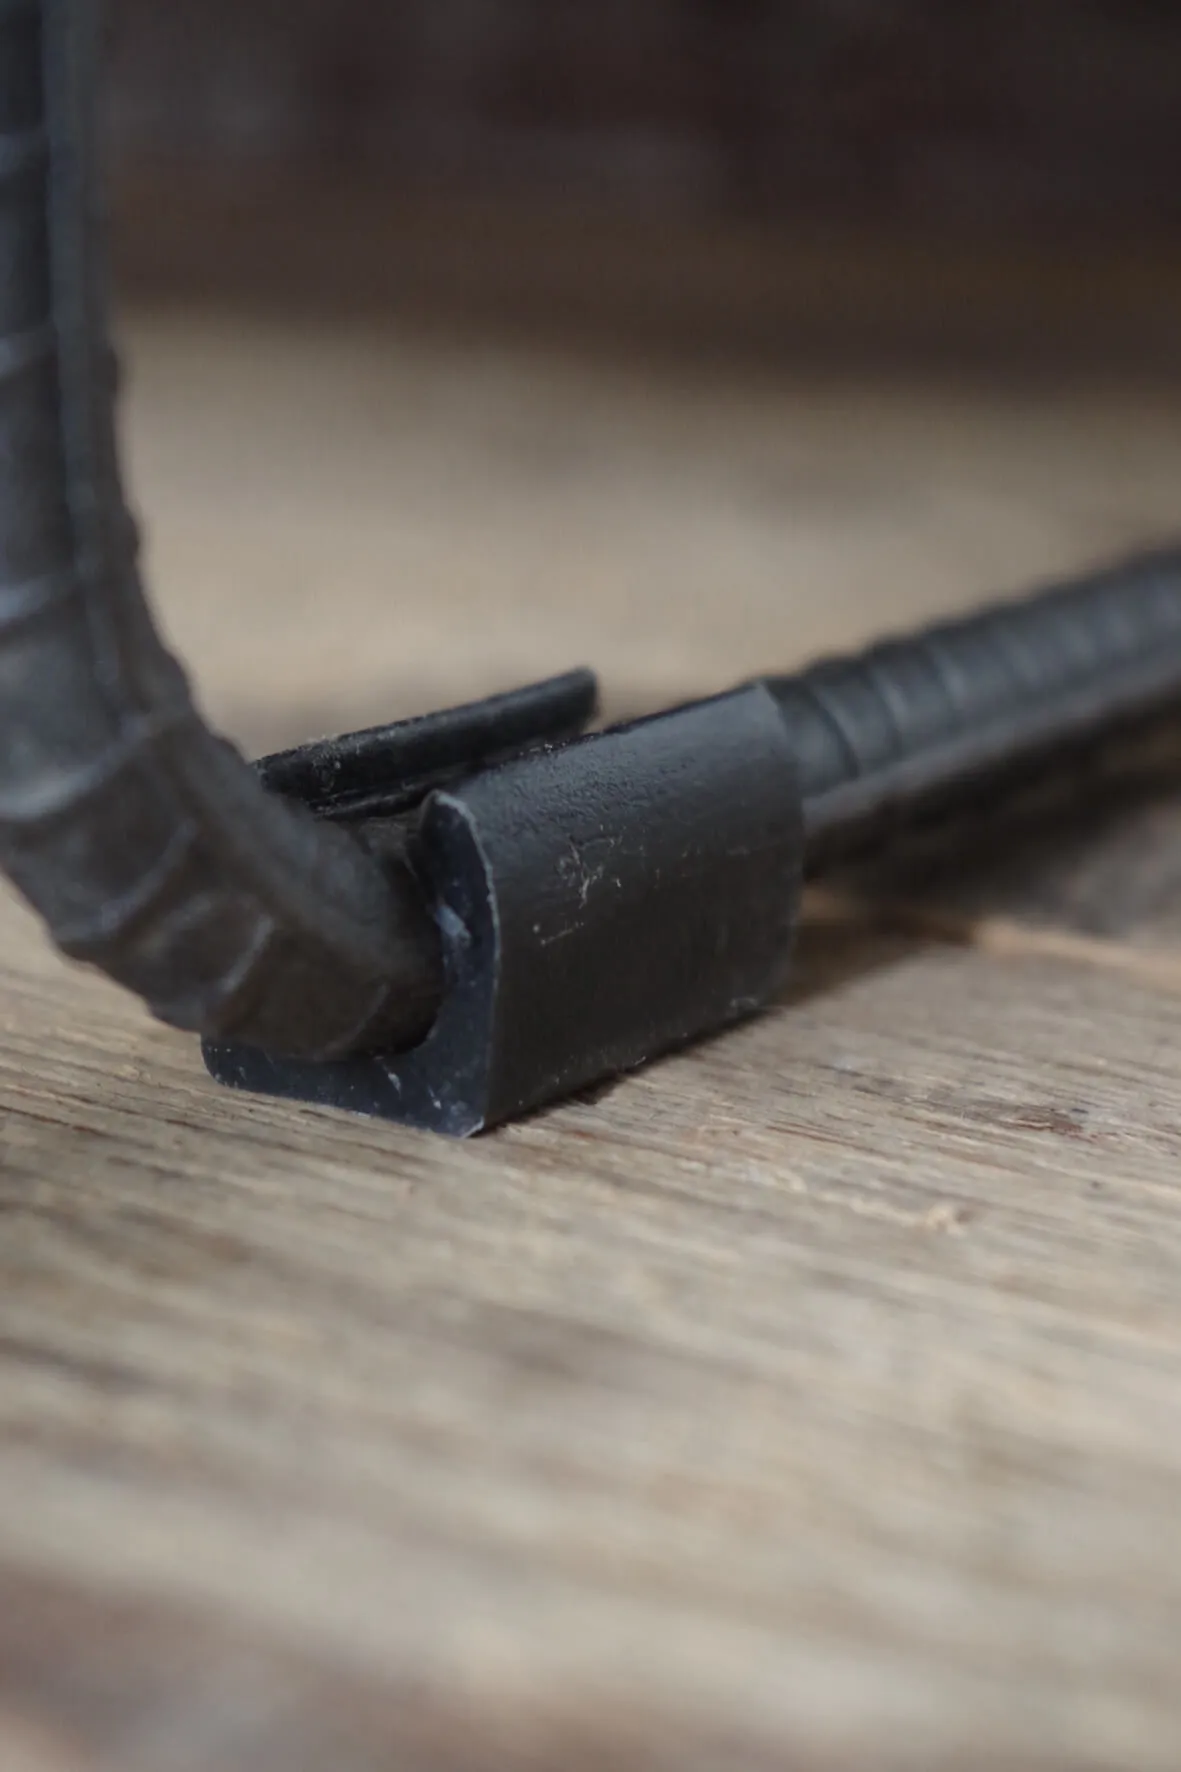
[[807, 1400]]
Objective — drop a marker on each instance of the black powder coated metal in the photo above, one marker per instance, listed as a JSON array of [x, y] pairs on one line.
[[390, 769], [147, 845], [932, 722], [603, 901], [599, 902], [323, 918]]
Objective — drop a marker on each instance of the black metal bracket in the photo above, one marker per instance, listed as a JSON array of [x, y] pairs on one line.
[[601, 900], [389, 770], [595, 900]]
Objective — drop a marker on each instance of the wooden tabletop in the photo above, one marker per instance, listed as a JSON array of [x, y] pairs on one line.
[[811, 1399]]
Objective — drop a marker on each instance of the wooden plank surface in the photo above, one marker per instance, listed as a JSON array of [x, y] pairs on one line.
[[812, 1399]]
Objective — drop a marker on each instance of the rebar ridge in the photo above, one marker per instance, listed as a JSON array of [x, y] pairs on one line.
[[927, 720], [147, 844]]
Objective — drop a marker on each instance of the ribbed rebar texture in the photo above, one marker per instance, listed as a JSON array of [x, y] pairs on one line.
[[930, 720], [146, 843]]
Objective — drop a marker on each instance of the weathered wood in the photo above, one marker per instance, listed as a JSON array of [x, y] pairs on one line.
[[809, 1399]]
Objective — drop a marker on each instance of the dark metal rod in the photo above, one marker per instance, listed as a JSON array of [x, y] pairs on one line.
[[154, 852], [968, 708], [149, 847]]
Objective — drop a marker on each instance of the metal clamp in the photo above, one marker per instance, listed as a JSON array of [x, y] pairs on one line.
[[601, 900]]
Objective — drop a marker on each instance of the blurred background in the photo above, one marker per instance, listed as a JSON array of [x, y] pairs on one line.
[[685, 336], [1060, 114]]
